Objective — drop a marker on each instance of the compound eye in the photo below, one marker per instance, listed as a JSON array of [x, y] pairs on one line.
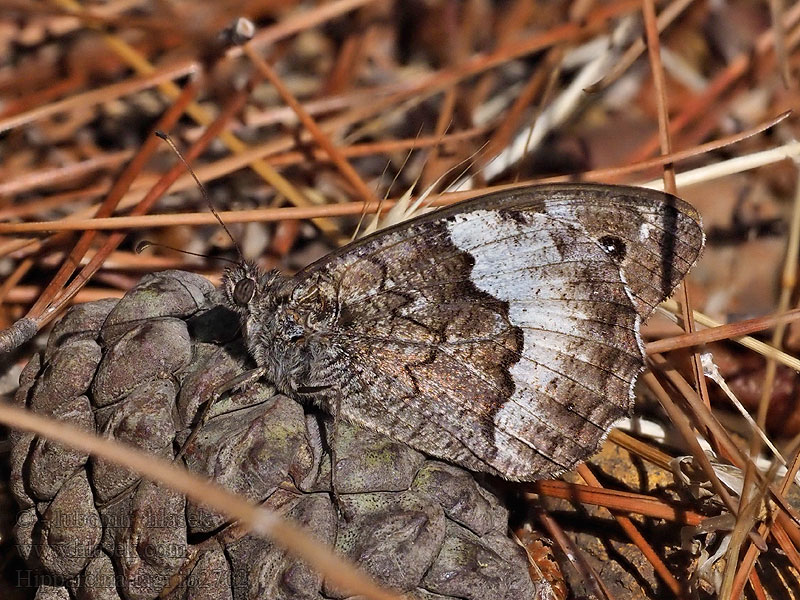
[[243, 291]]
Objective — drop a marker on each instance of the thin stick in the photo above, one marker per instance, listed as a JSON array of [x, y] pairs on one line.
[[722, 332]]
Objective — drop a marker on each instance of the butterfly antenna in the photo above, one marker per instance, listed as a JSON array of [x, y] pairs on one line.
[[145, 244], [203, 191]]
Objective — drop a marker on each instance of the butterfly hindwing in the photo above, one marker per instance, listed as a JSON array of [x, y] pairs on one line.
[[501, 333]]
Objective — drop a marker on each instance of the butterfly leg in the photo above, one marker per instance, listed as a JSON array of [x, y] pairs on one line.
[[240, 382], [332, 445]]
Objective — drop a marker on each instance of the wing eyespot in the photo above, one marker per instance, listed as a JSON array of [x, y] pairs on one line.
[[615, 247]]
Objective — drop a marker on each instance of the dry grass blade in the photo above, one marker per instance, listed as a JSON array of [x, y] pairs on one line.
[[55, 176], [302, 21], [790, 150], [787, 532]]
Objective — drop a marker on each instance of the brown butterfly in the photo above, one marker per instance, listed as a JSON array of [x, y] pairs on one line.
[[500, 334]]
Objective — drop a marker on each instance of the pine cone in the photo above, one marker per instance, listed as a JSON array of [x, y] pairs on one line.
[[139, 370]]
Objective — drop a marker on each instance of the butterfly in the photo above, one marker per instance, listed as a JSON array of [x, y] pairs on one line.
[[500, 334]]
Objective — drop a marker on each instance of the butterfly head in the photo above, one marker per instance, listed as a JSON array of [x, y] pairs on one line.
[[270, 326], [246, 286]]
